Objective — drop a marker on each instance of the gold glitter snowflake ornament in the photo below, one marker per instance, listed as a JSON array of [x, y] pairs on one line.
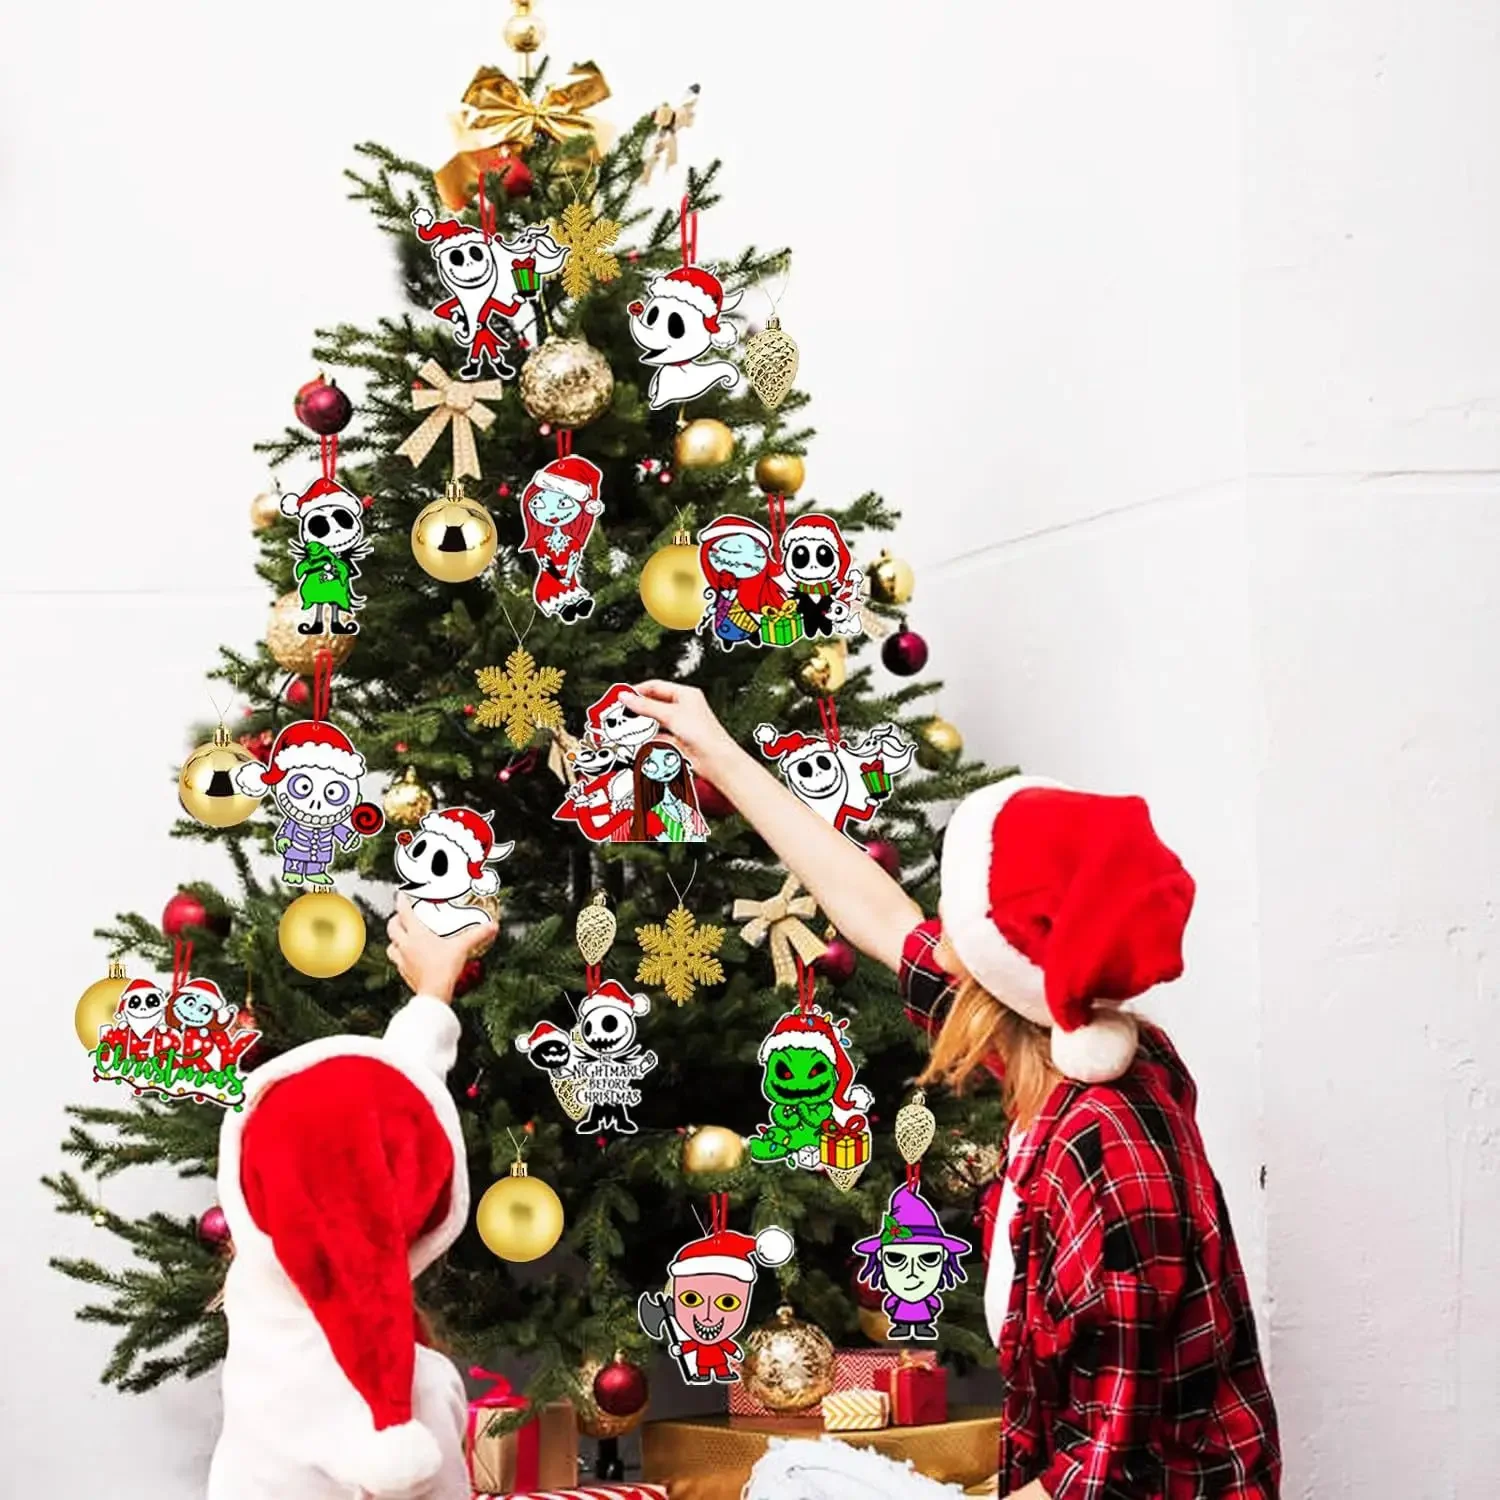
[[521, 698], [680, 955], [588, 239]]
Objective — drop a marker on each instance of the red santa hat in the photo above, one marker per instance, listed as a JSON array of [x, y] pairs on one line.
[[574, 476], [611, 994], [816, 1030], [344, 1176], [704, 293], [321, 494], [598, 709], [307, 744], [224, 1012], [815, 528], [442, 233], [471, 834], [726, 1252], [1064, 905], [541, 1032], [774, 745]]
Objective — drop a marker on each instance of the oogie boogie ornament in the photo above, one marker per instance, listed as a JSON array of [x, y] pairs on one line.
[[601, 1058], [707, 1299], [817, 1109], [312, 776], [329, 543], [558, 511], [445, 860]]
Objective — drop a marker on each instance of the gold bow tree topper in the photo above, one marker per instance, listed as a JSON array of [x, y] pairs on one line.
[[498, 112], [780, 921]]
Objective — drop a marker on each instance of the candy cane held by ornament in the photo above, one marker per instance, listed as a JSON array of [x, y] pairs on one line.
[[779, 922], [459, 402]]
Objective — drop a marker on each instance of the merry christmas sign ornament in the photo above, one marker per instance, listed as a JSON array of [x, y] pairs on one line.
[[443, 863]]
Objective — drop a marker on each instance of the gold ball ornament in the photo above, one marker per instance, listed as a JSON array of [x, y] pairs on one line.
[[407, 802], [205, 784], [915, 1127], [770, 362], [293, 651], [593, 1422], [322, 934], [673, 585], [519, 1218], [780, 473], [524, 32], [891, 580], [712, 1149], [826, 670], [874, 1324], [594, 930], [454, 539], [567, 382], [704, 443], [939, 745], [96, 1005], [788, 1364], [265, 510]]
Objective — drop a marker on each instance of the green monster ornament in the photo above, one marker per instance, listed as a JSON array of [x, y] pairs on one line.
[[817, 1109]]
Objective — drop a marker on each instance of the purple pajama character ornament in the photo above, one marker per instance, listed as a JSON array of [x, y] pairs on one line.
[[911, 1260], [312, 776]]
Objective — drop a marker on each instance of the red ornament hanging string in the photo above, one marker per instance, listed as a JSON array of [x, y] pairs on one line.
[[564, 441], [807, 983], [687, 224], [487, 212], [776, 511], [718, 1212], [593, 975], [182, 963], [828, 712], [322, 684], [328, 453]]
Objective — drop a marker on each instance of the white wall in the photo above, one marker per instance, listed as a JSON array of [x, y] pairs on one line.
[[1204, 269]]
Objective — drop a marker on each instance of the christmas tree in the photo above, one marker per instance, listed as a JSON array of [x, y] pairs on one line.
[[409, 695]]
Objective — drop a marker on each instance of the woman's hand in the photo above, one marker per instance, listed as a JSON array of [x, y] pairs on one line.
[[684, 714], [430, 964]]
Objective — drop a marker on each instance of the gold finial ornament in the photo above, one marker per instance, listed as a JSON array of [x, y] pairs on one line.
[[524, 32], [770, 362]]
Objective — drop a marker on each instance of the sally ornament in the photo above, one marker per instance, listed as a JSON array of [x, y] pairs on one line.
[[770, 363], [206, 786], [454, 539]]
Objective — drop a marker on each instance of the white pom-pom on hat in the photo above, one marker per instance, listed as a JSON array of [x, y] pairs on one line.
[[394, 1463], [774, 1246], [1098, 1052], [250, 779]]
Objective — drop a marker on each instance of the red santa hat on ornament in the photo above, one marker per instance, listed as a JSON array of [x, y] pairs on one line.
[[1064, 905], [543, 1031], [612, 995], [793, 743], [574, 476], [472, 836], [816, 1030], [440, 234], [811, 529], [321, 494], [703, 292], [726, 1252], [308, 744]]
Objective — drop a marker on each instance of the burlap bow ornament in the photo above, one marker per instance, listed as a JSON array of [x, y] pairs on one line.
[[447, 400], [781, 921]]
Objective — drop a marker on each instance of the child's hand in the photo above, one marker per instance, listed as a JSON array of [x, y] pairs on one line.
[[684, 714], [430, 964]]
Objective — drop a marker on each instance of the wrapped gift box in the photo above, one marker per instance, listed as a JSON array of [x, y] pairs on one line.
[[541, 1454], [854, 1369], [856, 1411], [918, 1392], [710, 1458], [877, 779], [780, 625], [843, 1145]]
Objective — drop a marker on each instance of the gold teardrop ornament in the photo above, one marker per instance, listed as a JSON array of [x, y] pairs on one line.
[[595, 930], [770, 362]]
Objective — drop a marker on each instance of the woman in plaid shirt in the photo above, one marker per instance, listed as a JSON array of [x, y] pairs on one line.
[[1116, 1294]]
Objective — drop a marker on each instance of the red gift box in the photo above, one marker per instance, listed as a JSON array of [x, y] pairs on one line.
[[853, 1370], [542, 1451], [918, 1391], [591, 1492]]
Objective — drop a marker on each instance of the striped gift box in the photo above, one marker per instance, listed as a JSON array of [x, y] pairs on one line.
[[856, 1411], [589, 1492]]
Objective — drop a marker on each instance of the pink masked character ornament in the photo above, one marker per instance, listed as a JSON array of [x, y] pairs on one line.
[[707, 1300], [558, 510]]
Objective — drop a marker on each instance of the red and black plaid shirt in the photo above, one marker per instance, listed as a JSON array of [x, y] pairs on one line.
[[1129, 1351]]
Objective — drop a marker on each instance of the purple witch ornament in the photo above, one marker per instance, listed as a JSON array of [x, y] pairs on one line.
[[911, 1260]]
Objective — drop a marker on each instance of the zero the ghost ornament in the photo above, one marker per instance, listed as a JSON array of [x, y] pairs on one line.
[[677, 327], [312, 776], [445, 861], [843, 783]]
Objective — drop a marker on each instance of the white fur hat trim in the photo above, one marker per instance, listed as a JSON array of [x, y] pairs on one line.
[[348, 763]]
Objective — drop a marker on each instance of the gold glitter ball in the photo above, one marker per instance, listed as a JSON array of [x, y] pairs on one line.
[[788, 1364], [567, 382], [292, 650]]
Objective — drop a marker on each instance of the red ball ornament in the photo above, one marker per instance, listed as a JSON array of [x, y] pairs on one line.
[[620, 1388], [213, 1228], [886, 855], [258, 744], [468, 977], [904, 653], [865, 1296], [322, 406], [515, 176], [839, 961], [712, 803], [298, 693], [472, 1092], [186, 910]]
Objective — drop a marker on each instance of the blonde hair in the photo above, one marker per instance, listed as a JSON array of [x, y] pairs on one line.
[[980, 1028]]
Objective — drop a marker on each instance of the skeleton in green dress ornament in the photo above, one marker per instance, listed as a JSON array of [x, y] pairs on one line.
[[809, 1080], [329, 543]]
